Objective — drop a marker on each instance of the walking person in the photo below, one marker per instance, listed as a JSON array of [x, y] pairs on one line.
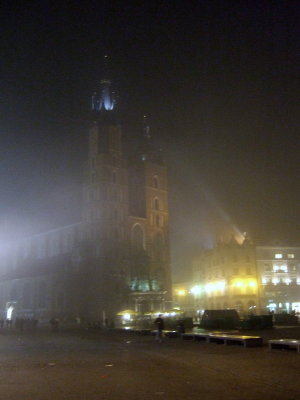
[[180, 328], [159, 322]]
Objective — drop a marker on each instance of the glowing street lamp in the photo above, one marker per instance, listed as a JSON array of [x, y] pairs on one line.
[[195, 290]]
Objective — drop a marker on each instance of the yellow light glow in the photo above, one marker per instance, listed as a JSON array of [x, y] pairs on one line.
[[220, 285], [195, 290], [181, 292], [245, 282], [215, 286]]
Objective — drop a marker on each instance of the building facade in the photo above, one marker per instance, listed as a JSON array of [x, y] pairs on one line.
[[226, 277], [117, 256], [251, 279], [279, 271]]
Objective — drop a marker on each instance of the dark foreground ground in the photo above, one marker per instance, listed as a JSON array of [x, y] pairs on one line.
[[115, 366]]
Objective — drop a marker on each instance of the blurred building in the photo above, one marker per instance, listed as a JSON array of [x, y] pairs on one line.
[[279, 272], [183, 298], [251, 279], [117, 257]]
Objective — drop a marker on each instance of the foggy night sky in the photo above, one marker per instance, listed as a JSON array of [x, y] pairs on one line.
[[219, 81]]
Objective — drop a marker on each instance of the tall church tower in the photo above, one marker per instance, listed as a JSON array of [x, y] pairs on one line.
[[106, 181], [149, 225], [125, 217]]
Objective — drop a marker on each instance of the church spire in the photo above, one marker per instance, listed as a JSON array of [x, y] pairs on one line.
[[104, 100]]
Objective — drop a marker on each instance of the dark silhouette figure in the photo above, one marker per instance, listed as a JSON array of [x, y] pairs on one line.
[[159, 323], [54, 322], [180, 327]]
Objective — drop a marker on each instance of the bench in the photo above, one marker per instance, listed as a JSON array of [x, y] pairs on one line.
[[220, 338], [245, 341], [284, 344], [201, 337], [171, 334], [188, 336]]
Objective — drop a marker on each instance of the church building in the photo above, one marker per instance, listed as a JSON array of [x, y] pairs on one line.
[[117, 257]]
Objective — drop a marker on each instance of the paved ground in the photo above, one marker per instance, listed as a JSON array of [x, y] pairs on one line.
[[114, 366]]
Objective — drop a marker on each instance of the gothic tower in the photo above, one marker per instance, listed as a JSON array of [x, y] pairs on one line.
[[149, 225], [125, 217]]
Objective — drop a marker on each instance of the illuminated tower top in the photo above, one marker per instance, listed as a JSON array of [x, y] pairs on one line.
[[104, 100]]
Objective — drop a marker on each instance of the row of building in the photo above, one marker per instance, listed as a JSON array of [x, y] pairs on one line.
[[251, 279]]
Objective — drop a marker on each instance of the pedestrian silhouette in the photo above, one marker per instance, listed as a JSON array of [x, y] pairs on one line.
[[159, 322]]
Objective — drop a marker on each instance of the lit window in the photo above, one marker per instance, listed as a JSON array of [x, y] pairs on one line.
[[280, 268], [291, 255], [272, 306], [278, 255]]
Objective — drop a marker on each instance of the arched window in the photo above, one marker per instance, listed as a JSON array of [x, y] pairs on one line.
[[155, 182], [138, 237], [156, 203]]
